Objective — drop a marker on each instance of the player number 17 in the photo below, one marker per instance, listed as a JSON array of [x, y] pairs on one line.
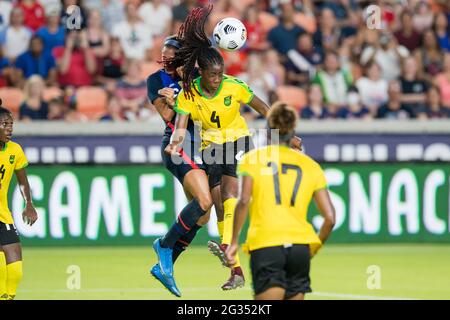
[[276, 180]]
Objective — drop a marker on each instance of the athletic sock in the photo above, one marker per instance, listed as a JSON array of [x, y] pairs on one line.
[[3, 276], [186, 220], [220, 228], [228, 213], [183, 242], [14, 275]]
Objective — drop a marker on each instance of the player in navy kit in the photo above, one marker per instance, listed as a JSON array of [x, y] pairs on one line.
[[163, 87]]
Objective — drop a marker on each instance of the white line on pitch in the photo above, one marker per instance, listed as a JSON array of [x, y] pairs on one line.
[[200, 289]]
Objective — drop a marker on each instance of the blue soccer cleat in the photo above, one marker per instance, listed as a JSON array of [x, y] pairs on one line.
[[169, 283], [164, 258]]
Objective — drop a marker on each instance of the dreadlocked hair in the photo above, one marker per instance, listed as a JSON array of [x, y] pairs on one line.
[[196, 48]]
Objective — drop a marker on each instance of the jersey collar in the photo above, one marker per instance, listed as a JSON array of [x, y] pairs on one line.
[[199, 88], [4, 147]]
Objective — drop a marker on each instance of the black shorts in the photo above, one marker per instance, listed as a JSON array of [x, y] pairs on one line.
[[222, 159], [8, 234], [278, 266], [180, 166]]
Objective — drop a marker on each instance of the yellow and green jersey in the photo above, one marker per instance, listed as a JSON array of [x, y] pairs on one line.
[[284, 181], [220, 117], [12, 158]]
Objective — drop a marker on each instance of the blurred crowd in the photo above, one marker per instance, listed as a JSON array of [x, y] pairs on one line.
[[80, 60]]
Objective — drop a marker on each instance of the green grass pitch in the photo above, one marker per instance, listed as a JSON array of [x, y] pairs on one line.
[[338, 272]]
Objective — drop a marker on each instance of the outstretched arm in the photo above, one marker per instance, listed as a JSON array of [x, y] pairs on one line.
[[260, 106], [178, 135], [29, 214]]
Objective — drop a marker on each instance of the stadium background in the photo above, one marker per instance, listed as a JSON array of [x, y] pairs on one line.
[[103, 196]]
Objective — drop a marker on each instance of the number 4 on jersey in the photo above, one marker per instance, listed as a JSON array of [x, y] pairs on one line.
[[215, 119]]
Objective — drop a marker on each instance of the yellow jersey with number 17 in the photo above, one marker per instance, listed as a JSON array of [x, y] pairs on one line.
[[284, 181], [12, 158], [220, 118]]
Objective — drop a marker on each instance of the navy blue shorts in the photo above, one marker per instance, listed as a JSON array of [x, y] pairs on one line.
[[180, 166]]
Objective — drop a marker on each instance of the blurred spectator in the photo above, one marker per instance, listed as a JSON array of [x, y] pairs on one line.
[[76, 61], [34, 107], [346, 11], [34, 14], [235, 61], [134, 35], [15, 39], [259, 79], [5, 12], [442, 81], [53, 33], [315, 108], [302, 61], [333, 80], [256, 37], [407, 36], [434, 108], [423, 17], [51, 5], [114, 111], [284, 36], [98, 39], [387, 54], [354, 109], [394, 109], [111, 66], [441, 29], [157, 15], [131, 91], [180, 13], [373, 89], [6, 72], [327, 35], [56, 109], [112, 12], [274, 66], [429, 56], [36, 61], [67, 20], [413, 88]]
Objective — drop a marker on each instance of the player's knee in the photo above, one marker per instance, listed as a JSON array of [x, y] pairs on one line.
[[205, 202], [204, 219]]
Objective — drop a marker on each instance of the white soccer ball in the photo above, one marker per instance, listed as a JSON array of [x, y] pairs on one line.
[[230, 34]]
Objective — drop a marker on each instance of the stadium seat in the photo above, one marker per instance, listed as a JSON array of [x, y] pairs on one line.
[[267, 20], [51, 93], [91, 101], [292, 95], [147, 68], [12, 99]]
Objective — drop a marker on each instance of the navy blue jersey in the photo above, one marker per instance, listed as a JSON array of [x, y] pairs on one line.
[[157, 81]]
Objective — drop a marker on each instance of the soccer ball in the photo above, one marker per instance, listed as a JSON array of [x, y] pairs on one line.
[[230, 34]]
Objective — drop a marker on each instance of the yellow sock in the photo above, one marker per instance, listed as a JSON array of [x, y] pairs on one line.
[[3, 294], [220, 228], [228, 213], [14, 271]]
